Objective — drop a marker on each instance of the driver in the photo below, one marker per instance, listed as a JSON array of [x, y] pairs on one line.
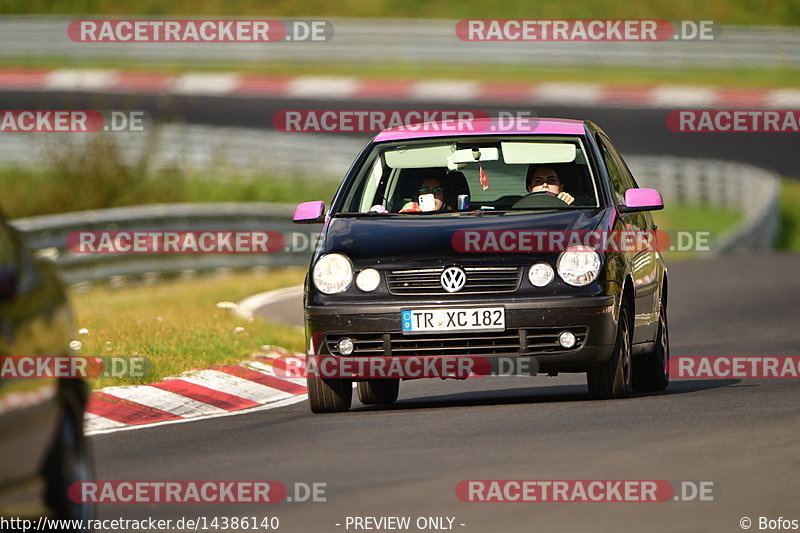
[[545, 179]]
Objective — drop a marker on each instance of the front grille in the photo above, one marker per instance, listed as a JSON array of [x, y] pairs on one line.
[[480, 280], [530, 341], [499, 343]]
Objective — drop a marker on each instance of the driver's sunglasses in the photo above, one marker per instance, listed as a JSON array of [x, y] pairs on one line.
[[428, 190], [541, 181]]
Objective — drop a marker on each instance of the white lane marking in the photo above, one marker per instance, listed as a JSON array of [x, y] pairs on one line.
[[444, 90], [246, 307], [784, 99], [250, 390], [679, 96], [201, 83], [340, 87], [258, 366], [282, 403], [80, 79], [321, 87], [93, 422], [568, 93], [163, 400]]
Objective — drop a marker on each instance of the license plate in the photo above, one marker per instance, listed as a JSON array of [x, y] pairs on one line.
[[459, 319]]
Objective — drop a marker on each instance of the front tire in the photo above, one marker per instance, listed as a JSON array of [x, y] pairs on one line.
[[378, 391], [329, 395], [69, 462], [613, 378], [651, 371]]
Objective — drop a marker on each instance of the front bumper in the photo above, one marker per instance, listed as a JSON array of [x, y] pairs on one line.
[[532, 325]]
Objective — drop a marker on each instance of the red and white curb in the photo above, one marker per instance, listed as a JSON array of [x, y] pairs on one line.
[[197, 394], [345, 88]]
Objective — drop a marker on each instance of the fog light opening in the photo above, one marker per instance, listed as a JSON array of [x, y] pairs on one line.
[[345, 346], [566, 339]]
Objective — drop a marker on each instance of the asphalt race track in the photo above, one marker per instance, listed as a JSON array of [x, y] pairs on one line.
[[406, 460], [634, 131]]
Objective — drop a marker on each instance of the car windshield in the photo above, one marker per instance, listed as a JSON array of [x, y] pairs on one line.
[[457, 174]]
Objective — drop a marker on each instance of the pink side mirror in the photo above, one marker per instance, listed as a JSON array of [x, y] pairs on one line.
[[641, 200], [309, 213]]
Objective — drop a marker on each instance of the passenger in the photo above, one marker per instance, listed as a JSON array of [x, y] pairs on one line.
[[428, 186], [545, 179]]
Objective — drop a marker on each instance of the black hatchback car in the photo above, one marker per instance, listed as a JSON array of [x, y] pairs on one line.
[[43, 449], [490, 239]]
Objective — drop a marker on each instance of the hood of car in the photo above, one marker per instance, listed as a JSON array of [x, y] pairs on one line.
[[407, 241]]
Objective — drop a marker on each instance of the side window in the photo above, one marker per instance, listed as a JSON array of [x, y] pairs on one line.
[[621, 180], [615, 174], [371, 188], [627, 175]]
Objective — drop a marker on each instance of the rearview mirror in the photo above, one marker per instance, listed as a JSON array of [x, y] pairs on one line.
[[473, 155], [641, 200], [310, 213]]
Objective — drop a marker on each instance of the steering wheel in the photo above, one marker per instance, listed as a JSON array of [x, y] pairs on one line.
[[540, 199]]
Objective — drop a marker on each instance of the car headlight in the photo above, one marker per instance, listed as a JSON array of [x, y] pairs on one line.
[[333, 273], [541, 274], [368, 279], [579, 265]]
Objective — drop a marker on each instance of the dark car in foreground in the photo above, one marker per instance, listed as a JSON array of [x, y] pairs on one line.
[[397, 274], [42, 446]]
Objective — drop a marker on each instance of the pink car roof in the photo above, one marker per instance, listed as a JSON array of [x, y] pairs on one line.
[[484, 126]]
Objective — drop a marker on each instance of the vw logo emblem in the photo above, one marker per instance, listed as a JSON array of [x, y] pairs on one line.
[[453, 279]]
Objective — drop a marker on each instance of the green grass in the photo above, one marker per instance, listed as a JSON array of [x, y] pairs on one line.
[[789, 238], [763, 78], [766, 12], [177, 326]]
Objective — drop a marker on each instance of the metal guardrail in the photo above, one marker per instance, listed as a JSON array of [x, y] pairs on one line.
[[745, 188], [48, 235], [751, 190], [417, 40]]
